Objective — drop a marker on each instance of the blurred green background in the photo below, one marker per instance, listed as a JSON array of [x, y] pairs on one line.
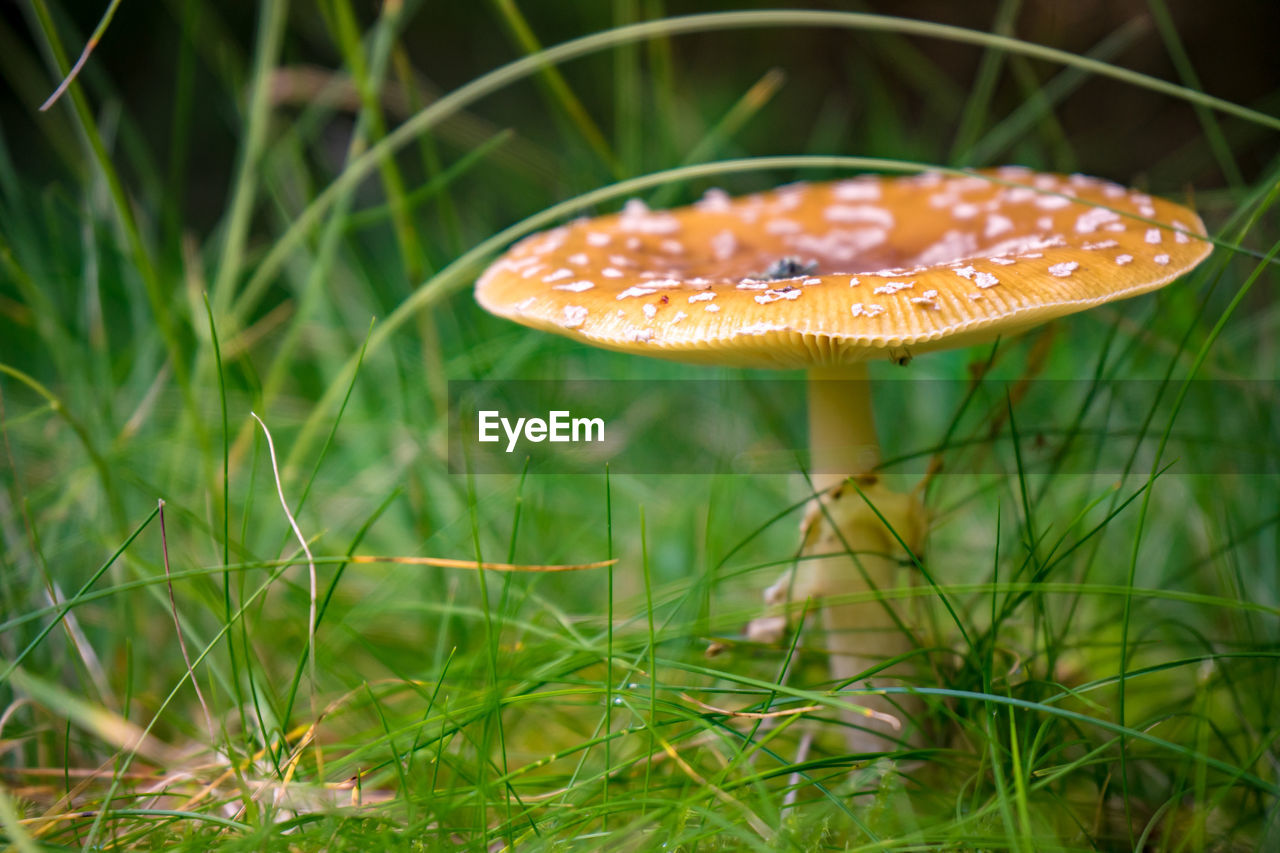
[[840, 87]]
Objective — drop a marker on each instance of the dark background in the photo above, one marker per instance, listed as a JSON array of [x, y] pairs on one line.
[[1232, 46]]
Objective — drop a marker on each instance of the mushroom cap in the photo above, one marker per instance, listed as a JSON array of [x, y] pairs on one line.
[[824, 274]]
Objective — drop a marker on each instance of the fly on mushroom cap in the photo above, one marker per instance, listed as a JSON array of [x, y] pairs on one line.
[[880, 265]]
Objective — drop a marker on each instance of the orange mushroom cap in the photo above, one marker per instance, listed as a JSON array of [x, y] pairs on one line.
[[823, 274]]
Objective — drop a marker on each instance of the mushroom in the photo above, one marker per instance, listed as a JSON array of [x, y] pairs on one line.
[[825, 277]]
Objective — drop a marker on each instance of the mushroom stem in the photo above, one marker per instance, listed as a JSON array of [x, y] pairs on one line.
[[867, 556], [842, 426]]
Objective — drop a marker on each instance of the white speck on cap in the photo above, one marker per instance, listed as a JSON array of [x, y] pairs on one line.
[[969, 184], [1152, 236], [1121, 260], [760, 329], [859, 213], [1094, 218], [951, 245], [574, 316], [1018, 195], [574, 286], [1052, 202], [1064, 269], [650, 310], [858, 189], [714, 200], [997, 225], [840, 244], [894, 286], [704, 296], [724, 245], [774, 295]]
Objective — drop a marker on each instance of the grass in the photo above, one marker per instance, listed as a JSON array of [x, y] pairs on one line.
[[1103, 595]]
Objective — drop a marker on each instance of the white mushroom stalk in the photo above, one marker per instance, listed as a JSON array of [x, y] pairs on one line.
[[853, 557]]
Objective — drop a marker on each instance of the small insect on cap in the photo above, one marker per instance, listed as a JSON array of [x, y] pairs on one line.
[[825, 274]]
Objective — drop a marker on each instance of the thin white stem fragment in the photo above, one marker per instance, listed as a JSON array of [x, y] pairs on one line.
[[84, 56], [306, 549], [797, 778], [752, 715]]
